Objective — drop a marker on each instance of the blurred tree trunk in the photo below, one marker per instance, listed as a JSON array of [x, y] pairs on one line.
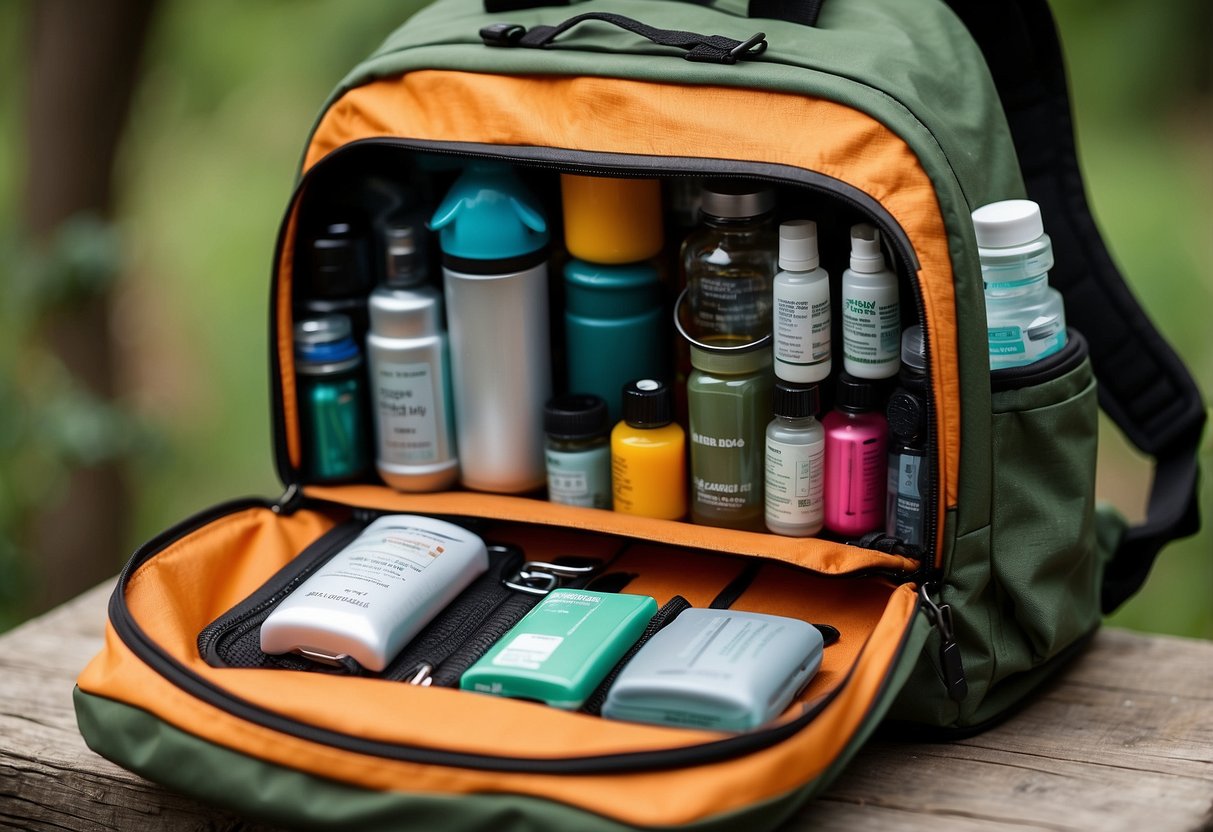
[[84, 62]]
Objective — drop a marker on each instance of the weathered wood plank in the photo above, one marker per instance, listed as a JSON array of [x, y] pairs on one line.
[[1124, 740]]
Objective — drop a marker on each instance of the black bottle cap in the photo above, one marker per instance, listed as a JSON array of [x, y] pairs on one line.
[[855, 395], [796, 401], [647, 403], [576, 416], [339, 263], [907, 415]]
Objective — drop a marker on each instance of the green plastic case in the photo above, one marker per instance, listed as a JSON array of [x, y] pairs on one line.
[[563, 648]]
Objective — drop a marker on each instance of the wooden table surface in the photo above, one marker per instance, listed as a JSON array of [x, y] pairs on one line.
[[1124, 740]]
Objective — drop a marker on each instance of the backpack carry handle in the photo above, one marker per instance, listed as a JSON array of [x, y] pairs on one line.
[[715, 49], [1143, 385], [804, 12]]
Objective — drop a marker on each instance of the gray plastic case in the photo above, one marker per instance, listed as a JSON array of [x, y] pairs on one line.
[[724, 670]]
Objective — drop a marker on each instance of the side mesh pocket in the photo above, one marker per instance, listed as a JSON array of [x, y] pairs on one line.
[[1044, 557]]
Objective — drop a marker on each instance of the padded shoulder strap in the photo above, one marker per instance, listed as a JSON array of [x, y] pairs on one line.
[[1143, 385]]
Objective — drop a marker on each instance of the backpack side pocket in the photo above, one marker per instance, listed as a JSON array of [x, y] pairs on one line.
[[1044, 558]]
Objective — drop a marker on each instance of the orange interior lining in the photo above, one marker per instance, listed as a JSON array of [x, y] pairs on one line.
[[817, 554], [632, 117], [174, 595]]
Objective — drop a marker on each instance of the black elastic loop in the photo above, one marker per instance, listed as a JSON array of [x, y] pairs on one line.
[[1143, 385]]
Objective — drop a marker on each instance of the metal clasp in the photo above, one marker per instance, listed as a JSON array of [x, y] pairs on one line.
[[541, 577]]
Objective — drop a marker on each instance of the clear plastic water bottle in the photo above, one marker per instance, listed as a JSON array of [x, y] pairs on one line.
[[1025, 317]]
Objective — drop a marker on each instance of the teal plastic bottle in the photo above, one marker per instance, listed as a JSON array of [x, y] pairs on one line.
[[614, 328], [332, 399]]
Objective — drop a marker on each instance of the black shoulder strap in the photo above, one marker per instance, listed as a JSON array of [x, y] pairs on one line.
[[1143, 385]]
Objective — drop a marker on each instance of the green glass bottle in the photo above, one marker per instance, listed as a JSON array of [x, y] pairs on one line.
[[729, 397]]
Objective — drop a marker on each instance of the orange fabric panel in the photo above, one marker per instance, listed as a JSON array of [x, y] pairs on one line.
[[635, 117], [810, 552], [166, 602], [285, 344]]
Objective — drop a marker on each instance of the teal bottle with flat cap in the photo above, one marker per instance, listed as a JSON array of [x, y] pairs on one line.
[[332, 396]]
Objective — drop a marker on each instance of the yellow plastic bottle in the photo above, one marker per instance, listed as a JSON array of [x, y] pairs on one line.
[[648, 454]]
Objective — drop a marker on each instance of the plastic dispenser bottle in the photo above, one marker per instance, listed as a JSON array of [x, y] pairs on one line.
[[329, 368], [909, 466], [795, 462], [494, 242], [871, 312], [802, 306], [648, 454], [729, 396], [614, 327], [729, 264], [856, 439], [1025, 317], [409, 371], [578, 453]]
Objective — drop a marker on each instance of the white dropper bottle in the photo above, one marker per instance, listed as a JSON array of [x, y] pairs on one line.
[[871, 314], [801, 307]]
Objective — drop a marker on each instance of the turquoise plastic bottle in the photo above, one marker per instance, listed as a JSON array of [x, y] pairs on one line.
[[614, 328]]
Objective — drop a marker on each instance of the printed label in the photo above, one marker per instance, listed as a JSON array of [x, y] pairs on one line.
[[408, 424], [802, 324], [910, 516], [732, 304], [580, 478], [384, 560], [871, 330], [795, 477], [528, 650]]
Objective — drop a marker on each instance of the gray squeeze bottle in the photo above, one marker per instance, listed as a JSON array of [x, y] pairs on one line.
[[494, 240], [406, 353]]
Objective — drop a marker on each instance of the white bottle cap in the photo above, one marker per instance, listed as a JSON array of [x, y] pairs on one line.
[[1012, 222], [798, 246], [866, 257]]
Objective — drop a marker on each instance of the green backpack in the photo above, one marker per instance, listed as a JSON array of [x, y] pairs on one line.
[[907, 114]]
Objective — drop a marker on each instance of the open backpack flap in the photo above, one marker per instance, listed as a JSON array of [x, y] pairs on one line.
[[884, 111]]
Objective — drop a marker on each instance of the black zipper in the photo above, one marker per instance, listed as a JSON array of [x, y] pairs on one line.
[[626, 166], [304, 565], [146, 649]]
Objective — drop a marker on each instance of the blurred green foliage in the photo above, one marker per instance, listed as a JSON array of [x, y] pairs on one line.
[[229, 92]]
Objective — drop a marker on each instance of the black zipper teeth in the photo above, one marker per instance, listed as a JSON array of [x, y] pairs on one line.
[[636, 167], [142, 645], [340, 536]]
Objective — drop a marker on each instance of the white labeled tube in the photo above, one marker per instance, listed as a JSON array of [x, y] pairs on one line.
[[374, 595]]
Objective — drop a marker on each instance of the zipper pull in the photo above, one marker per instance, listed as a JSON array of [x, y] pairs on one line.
[[949, 651], [289, 501]]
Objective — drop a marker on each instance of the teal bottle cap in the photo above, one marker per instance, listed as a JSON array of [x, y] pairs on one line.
[[488, 214], [602, 291]]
